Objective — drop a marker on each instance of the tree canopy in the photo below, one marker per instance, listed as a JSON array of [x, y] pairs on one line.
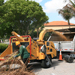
[[71, 7], [66, 12], [67, 15], [21, 16]]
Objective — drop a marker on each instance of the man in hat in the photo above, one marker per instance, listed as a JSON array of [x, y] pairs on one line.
[[22, 52]]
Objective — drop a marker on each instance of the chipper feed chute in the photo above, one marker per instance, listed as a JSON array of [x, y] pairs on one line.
[[9, 48], [6, 52]]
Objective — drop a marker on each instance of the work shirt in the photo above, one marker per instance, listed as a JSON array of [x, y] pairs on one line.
[[23, 52]]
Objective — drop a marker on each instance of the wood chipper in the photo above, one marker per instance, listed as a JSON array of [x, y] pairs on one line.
[[40, 50]]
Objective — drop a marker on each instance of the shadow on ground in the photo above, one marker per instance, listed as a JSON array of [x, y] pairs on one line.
[[55, 62], [36, 67]]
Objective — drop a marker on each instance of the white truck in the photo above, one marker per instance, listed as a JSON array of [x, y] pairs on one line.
[[67, 48]]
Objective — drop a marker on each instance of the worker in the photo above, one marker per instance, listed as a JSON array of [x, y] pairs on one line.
[[22, 52]]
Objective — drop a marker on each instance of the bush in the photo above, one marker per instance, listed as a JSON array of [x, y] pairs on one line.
[[34, 34], [3, 47]]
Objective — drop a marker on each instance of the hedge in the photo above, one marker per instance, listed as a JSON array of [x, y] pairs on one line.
[[3, 47]]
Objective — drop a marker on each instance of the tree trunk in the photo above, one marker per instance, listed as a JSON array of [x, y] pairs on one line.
[[27, 30], [69, 24], [37, 32]]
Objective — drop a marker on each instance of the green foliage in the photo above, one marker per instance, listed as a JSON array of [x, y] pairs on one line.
[[21, 16], [1, 2], [71, 7], [34, 34], [72, 3], [3, 47], [66, 14], [47, 35], [68, 11], [41, 28]]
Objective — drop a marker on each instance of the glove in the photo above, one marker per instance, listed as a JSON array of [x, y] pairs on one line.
[[14, 56]]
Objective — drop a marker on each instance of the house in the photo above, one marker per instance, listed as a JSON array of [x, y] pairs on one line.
[[57, 25], [62, 27]]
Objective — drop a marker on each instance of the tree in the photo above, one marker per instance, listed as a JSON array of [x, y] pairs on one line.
[[68, 11], [21, 16], [1, 18], [71, 7], [67, 15]]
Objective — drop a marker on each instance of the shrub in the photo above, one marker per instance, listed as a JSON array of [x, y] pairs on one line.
[[3, 47], [34, 34]]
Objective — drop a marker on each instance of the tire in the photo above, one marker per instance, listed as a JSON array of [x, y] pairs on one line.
[[46, 63], [68, 58], [71, 60]]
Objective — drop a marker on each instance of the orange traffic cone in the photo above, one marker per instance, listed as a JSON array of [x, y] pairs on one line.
[[60, 56]]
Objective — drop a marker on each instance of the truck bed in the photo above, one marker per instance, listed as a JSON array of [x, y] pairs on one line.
[[65, 46]]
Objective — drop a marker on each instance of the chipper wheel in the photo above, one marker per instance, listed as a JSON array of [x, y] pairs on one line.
[[46, 63]]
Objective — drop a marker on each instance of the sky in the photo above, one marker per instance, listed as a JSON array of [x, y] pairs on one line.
[[51, 7]]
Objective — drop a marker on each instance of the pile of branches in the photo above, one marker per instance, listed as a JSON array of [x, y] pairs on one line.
[[7, 68]]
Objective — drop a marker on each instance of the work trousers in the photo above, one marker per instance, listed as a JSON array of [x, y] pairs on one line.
[[25, 61]]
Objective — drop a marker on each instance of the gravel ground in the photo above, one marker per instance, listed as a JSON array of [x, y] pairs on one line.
[[57, 68]]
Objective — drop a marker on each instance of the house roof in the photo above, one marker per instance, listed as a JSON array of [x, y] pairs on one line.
[[57, 23]]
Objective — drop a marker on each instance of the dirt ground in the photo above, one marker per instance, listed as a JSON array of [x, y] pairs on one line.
[[57, 68]]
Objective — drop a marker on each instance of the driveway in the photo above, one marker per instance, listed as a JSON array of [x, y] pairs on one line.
[[57, 68]]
